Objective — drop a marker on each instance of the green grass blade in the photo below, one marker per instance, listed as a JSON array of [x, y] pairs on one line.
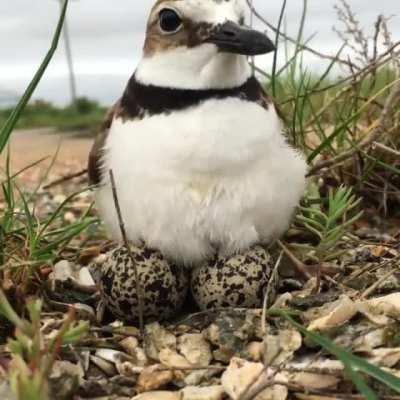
[[58, 211], [8, 127], [24, 169], [351, 362], [278, 33], [353, 117], [361, 385]]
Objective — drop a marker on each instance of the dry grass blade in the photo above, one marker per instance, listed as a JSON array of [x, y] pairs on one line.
[[300, 266], [383, 126], [65, 179], [294, 41], [128, 248]]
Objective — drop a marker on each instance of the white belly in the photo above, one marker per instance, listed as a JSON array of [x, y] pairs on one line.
[[219, 175]]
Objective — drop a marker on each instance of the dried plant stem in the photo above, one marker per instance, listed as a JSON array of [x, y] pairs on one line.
[[194, 368], [301, 267], [355, 76], [260, 383], [29, 166], [128, 248], [294, 41], [247, 394], [376, 284], [386, 149], [269, 291], [381, 128], [66, 178]]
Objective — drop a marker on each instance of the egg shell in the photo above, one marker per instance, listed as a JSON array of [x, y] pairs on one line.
[[238, 281], [163, 284]]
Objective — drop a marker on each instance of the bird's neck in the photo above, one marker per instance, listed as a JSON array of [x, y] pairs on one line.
[[141, 99], [199, 68]]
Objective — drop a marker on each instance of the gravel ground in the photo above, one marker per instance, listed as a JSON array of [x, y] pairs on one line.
[[28, 146]]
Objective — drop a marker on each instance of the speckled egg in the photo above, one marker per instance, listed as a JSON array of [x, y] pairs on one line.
[[238, 281], [163, 284]]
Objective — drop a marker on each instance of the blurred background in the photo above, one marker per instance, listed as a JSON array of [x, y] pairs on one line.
[[102, 44], [106, 40]]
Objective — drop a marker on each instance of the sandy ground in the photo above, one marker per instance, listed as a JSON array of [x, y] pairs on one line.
[[28, 146]]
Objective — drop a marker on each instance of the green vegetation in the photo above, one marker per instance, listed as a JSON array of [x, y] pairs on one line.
[[29, 239], [15, 115], [85, 115], [348, 127], [33, 355], [354, 366], [329, 224]]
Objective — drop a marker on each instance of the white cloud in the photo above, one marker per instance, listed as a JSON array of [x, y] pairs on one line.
[[107, 38]]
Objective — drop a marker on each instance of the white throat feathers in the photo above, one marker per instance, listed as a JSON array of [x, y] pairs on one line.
[[199, 68], [178, 51]]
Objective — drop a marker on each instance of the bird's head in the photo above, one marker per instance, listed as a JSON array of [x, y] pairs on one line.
[[199, 44]]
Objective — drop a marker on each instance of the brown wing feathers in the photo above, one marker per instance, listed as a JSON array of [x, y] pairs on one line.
[[95, 164]]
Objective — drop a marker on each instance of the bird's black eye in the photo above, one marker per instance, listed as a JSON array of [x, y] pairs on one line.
[[170, 21]]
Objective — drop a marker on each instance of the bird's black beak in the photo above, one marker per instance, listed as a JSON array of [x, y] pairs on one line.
[[233, 38]]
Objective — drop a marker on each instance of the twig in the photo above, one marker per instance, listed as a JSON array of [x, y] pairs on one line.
[[375, 285], [247, 393], [256, 387], [355, 77], [375, 268], [128, 248], [257, 390], [267, 297], [386, 149], [218, 368], [294, 41], [65, 178], [29, 166], [296, 262], [353, 35], [382, 126]]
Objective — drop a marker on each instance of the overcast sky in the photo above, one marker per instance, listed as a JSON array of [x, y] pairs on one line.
[[107, 38]]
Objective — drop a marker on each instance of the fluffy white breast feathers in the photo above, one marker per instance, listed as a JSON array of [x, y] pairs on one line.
[[196, 146]]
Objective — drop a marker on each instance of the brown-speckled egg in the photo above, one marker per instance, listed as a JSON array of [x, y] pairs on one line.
[[163, 284], [238, 281]]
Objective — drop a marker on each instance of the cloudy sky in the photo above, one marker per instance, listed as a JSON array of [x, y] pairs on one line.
[[107, 38]]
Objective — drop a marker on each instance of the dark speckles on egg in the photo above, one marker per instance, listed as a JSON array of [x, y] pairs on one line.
[[164, 285], [238, 281]]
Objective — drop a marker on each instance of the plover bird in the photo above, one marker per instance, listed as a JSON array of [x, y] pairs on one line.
[[196, 146]]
